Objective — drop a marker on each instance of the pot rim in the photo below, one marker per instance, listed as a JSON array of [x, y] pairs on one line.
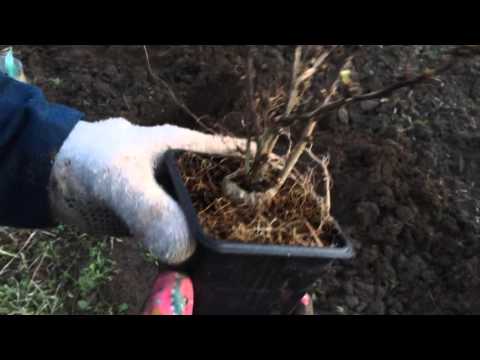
[[343, 248]]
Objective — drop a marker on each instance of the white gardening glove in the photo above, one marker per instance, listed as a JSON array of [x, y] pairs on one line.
[[103, 182]]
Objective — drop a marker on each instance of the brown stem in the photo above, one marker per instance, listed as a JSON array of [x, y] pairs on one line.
[[293, 98], [177, 101], [233, 191], [295, 155], [327, 179], [266, 143], [425, 76], [251, 93], [273, 135], [301, 146], [270, 138]]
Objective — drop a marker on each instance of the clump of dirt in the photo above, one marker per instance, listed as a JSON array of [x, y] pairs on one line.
[[132, 283], [291, 218]]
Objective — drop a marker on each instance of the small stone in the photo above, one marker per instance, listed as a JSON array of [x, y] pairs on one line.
[[358, 120], [376, 233], [388, 252], [371, 254], [392, 132], [401, 260], [343, 116], [361, 307], [369, 105], [450, 224], [381, 292], [389, 271], [379, 122], [349, 288], [404, 214], [422, 132], [111, 70], [390, 301], [366, 288], [352, 302], [141, 73], [392, 227], [398, 307], [375, 125], [330, 123], [139, 99], [429, 276], [417, 261], [368, 213], [103, 88], [377, 307]]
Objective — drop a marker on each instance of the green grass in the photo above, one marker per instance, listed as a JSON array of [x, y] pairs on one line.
[[27, 297], [56, 82], [55, 272]]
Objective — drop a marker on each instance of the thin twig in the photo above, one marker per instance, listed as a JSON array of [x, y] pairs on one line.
[[312, 156], [126, 102], [251, 93], [6, 253], [177, 101], [307, 132], [272, 135], [38, 267], [314, 234], [324, 162], [310, 72], [293, 96], [385, 92], [32, 235]]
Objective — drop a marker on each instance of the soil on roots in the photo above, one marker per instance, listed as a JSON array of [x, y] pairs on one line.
[[292, 218]]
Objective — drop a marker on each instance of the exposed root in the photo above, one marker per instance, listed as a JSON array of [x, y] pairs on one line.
[[296, 215], [235, 193]]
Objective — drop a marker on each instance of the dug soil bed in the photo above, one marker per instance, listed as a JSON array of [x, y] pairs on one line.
[[405, 172]]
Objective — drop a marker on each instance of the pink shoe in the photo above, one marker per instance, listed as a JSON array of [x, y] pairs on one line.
[[305, 307], [306, 300], [172, 295]]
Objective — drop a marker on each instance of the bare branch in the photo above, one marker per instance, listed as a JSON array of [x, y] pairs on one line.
[[312, 156], [307, 132], [177, 101], [273, 134], [314, 234], [310, 72], [251, 93], [293, 96], [427, 75], [332, 101], [324, 162]]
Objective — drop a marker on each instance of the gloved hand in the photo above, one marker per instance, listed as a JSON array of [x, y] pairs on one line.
[[103, 182]]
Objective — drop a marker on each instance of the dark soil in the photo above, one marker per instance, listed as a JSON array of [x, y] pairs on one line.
[[405, 171]]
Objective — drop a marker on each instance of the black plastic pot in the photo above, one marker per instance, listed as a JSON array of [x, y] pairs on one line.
[[235, 278]]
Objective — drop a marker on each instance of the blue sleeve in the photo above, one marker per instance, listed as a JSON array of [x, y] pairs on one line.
[[32, 131]]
